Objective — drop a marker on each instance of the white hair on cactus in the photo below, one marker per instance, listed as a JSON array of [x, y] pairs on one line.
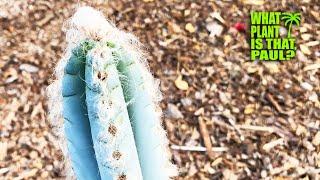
[[91, 23], [55, 99]]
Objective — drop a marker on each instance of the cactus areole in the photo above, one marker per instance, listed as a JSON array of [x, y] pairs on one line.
[[104, 105]]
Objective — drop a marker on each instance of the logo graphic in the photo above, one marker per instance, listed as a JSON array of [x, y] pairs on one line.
[[266, 42], [291, 18]]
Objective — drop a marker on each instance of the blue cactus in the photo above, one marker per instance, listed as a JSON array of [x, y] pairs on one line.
[[111, 117]]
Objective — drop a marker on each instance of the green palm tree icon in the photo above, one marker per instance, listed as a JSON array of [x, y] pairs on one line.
[[290, 18]]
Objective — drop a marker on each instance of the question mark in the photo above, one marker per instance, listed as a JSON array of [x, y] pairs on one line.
[[290, 54]]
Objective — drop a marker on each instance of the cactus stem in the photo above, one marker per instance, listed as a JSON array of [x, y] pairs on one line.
[[108, 104]]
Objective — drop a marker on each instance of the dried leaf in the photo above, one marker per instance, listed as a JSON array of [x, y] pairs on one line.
[[181, 84]]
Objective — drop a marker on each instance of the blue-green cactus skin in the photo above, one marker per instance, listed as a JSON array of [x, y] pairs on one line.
[[130, 109], [142, 113], [92, 95], [120, 139], [111, 125], [76, 124]]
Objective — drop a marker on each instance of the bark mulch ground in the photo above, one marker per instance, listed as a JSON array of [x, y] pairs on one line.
[[226, 116]]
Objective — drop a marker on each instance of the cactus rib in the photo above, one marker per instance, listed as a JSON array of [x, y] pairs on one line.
[[110, 125], [76, 126], [149, 136]]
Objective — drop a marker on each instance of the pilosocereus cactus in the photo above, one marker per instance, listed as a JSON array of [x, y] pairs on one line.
[[104, 105]]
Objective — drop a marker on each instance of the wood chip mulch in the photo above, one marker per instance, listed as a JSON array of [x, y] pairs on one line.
[[226, 116]]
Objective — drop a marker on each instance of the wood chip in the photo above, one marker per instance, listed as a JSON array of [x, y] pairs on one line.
[[275, 104], [198, 148], [312, 67], [249, 109], [29, 68], [254, 2], [306, 37], [301, 130], [217, 16], [273, 67], [256, 128], [199, 112], [222, 124], [316, 139], [3, 150], [190, 28], [206, 137], [315, 14], [45, 20], [174, 28], [27, 173], [306, 86], [312, 43], [268, 146], [228, 174], [216, 162], [4, 170], [305, 49]]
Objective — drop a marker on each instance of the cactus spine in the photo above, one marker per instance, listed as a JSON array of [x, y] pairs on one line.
[[105, 87]]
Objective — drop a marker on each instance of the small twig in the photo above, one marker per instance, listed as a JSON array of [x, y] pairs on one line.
[[273, 144], [284, 133], [233, 123], [227, 126], [206, 137], [198, 148], [257, 128], [222, 124], [275, 104]]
